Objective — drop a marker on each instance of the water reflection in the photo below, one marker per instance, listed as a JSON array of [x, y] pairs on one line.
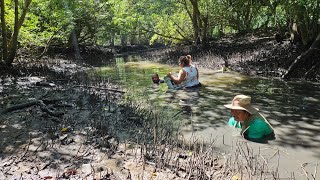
[[291, 107]]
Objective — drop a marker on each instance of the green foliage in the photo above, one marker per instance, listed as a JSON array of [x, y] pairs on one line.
[[306, 15], [57, 18], [102, 22], [9, 16]]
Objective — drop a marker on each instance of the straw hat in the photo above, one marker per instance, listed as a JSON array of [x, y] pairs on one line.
[[242, 102]]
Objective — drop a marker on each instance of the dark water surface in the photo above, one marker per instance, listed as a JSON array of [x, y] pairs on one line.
[[292, 107]]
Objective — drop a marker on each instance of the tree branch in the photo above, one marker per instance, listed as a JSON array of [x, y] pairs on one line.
[[170, 37], [315, 45]]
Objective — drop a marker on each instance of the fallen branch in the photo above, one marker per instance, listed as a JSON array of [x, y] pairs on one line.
[[94, 87], [32, 103], [20, 106]]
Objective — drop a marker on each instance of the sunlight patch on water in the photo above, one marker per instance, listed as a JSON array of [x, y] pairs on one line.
[[220, 79]]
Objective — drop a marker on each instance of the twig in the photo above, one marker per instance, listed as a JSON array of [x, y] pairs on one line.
[[26, 149], [315, 172], [78, 150], [305, 172]]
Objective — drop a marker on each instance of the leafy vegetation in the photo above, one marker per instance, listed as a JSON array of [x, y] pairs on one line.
[[34, 23]]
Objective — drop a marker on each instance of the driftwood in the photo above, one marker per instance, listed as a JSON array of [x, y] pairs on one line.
[[40, 103]]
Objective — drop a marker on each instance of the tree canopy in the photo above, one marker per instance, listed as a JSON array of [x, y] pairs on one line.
[[30, 23]]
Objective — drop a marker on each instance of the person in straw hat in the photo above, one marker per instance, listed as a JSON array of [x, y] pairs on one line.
[[254, 126]]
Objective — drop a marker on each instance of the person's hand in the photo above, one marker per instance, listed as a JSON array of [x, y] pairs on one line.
[[169, 75]]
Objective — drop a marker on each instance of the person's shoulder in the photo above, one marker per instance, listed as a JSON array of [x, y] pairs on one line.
[[260, 125], [259, 131], [258, 122], [182, 70]]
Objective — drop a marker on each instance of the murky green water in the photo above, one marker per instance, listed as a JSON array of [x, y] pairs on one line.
[[293, 108]]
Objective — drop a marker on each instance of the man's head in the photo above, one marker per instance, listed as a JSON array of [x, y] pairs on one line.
[[242, 102], [241, 107], [155, 78], [240, 115]]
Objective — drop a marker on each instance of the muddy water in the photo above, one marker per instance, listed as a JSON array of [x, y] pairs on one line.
[[293, 109]]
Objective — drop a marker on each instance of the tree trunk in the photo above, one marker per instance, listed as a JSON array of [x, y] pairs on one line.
[[123, 40], [4, 33], [196, 21], [112, 36], [205, 31], [14, 38], [247, 16], [12, 50], [75, 45], [305, 59], [302, 23]]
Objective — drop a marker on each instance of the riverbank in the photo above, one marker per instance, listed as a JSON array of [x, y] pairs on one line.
[[248, 54]]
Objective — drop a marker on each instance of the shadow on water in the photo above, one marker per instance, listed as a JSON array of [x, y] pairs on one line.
[[291, 107]]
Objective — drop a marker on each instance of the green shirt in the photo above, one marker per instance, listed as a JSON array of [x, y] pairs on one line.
[[258, 130], [232, 122]]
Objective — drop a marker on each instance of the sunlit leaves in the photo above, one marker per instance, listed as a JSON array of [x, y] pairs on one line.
[[148, 21]]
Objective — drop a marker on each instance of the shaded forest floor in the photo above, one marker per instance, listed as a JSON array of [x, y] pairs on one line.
[[57, 123]]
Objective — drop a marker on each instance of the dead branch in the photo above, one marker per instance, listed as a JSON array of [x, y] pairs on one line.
[[32, 103], [163, 35], [20, 106], [94, 87]]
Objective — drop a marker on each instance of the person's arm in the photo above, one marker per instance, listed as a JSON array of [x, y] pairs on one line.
[[180, 78]]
